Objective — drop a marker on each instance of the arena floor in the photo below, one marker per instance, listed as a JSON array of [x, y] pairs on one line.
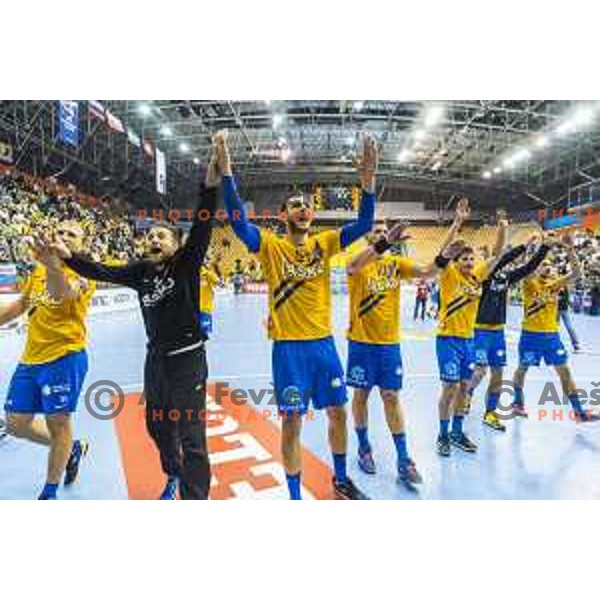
[[541, 458]]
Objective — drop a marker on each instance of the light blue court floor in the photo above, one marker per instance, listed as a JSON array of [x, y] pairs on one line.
[[534, 459]]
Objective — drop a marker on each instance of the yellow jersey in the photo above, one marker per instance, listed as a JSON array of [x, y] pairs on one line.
[[459, 300], [540, 304], [55, 329], [299, 285], [375, 300], [208, 282]]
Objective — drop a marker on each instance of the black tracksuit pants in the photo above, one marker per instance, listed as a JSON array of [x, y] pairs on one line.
[[175, 389]]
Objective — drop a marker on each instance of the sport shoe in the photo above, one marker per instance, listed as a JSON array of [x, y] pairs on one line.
[[366, 463], [443, 445], [491, 420], [408, 474], [518, 410], [346, 490], [78, 452], [460, 440]]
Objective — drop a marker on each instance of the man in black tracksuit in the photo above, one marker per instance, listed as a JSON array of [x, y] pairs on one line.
[[167, 281], [490, 343]]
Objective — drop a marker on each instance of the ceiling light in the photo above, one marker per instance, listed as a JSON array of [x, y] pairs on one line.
[[196, 160], [359, 105], [184, 147], [522, 154], [542, 141], [419, 134], [403, 156], [144, 109], [277, 120], [434, 114], [487, 175], [497, 170], [583, 116], [166, 131]]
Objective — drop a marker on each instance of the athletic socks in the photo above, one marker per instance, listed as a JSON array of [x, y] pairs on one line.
[[576, 404], [444, 425], [457, 424], [339, 468], [492, 403], [49, 492], [401, 451], [519, 398], [293, 483], [363, 440]]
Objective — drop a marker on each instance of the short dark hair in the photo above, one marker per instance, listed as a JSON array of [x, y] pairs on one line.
[[283, 206], [172, 229]]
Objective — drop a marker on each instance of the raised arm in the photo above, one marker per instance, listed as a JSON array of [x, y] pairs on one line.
[[246, 231], [57, 284], [196, 245], [502, 236], [576, 270], [447, 248], [518, 273], [374, 251], [366, 166]]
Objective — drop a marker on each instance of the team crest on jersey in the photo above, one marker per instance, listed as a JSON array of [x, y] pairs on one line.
[[306, 264], [42, 298]]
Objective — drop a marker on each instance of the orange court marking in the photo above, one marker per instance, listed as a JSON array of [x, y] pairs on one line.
[[244, 451]]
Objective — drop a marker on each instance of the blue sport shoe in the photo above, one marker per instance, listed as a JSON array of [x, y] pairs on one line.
[[170, 491], [366, 463]]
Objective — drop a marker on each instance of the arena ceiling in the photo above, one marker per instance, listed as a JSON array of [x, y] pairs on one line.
[[527, 152]]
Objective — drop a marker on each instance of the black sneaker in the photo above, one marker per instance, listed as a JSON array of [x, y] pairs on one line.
[[346, 490], [78, 451], [443, 445], [460, 440]]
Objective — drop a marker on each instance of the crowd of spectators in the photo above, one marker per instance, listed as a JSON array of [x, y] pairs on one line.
[[28, 205]]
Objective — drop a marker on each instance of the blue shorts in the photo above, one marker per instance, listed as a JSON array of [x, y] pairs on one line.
[[490, 347], [535, 346], [206, 322], [49, 388], [307, 369], [371, 365], [456, 358]]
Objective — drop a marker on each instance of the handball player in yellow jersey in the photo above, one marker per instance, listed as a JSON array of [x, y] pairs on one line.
[[460, 289], [306, 365], [540, 338], [50, 375], [374, 355]]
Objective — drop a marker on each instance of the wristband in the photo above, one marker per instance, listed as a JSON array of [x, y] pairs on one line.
[[441, 261]]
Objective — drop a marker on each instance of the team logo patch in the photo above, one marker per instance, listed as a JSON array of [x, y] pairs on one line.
[[357, 375], [560, 351], [46, 390], [291, 395], [450, 370], [399, 371]]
